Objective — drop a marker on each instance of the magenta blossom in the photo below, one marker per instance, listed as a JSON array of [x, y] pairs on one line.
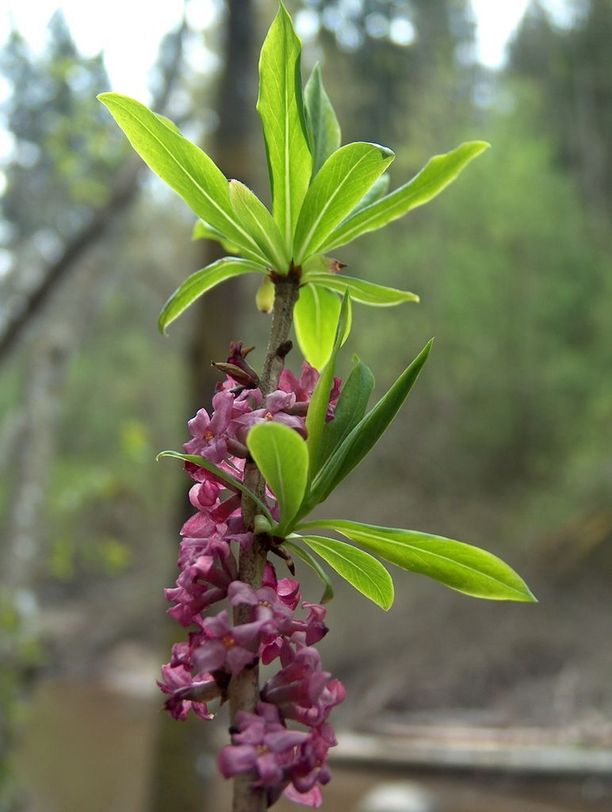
[[208, 433], [289, 761], [232, 648], [178, 682], [310, 767], [288, 589], [313, 797], [298, 634], [202, 583], [265, 604], [303, 386], [261, 743], [279, 407], [303, 691]]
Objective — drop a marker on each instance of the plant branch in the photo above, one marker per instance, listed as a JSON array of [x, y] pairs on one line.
[[244, 688]]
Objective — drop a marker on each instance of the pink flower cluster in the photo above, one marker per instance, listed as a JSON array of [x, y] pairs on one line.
[[281, 759]]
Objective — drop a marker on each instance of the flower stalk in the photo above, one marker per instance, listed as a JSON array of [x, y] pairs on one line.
[[244, 687]]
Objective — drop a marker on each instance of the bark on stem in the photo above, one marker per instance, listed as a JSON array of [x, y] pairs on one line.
[[244, 688]]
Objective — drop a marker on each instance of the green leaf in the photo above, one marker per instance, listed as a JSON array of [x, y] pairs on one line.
[[361, 290], [317, 410], [379, 188], [307, 558], [182, 165], [364, 436], [316, 316], [281, 456], [340, 184], [317, 263], [168, 122], [280, 107], [361, 570], [460, 566], [233, 483], [437, 174], [204, 231], [350, 409], [321, 120], [260, 224], [199, 282]]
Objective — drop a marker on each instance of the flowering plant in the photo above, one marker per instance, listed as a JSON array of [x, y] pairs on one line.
[[275, 445]]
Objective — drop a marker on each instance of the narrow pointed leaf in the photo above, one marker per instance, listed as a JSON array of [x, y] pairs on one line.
[[361, 290], [319, 402], [458, 565], [350, 409], [339, 185], [231, 481], [364, 436], [307, 558], [316, 316], [260, 224], [281, 108], [281, 455], [323, 127], [360, 569], [204, 231], [317, 263], [168, 122], [201, 281], [379, 189], [182, 165], [437, 174]]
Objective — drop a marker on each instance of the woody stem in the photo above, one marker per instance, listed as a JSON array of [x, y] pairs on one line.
[[244, 688]]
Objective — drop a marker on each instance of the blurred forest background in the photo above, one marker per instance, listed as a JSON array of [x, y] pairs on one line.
[[505, 441]]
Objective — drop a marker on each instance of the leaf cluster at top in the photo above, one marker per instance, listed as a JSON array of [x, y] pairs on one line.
[[324, 195]]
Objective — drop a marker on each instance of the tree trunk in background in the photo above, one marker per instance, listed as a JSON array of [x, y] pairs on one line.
[[218, 315], [178, 780]]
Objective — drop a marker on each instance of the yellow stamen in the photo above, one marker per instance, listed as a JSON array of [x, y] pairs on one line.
[[228, 641]]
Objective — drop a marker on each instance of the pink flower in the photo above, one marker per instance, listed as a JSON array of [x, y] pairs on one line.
[[224, 646], [276, 408], [178, 683], [310, 768], [296, 635], [262, 743], [208, 433], [202, 583], [315, 629], [303, 691], [288, 590], [203, 495], [303, 387], [201, 668], [313, 797], [265, 603]]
